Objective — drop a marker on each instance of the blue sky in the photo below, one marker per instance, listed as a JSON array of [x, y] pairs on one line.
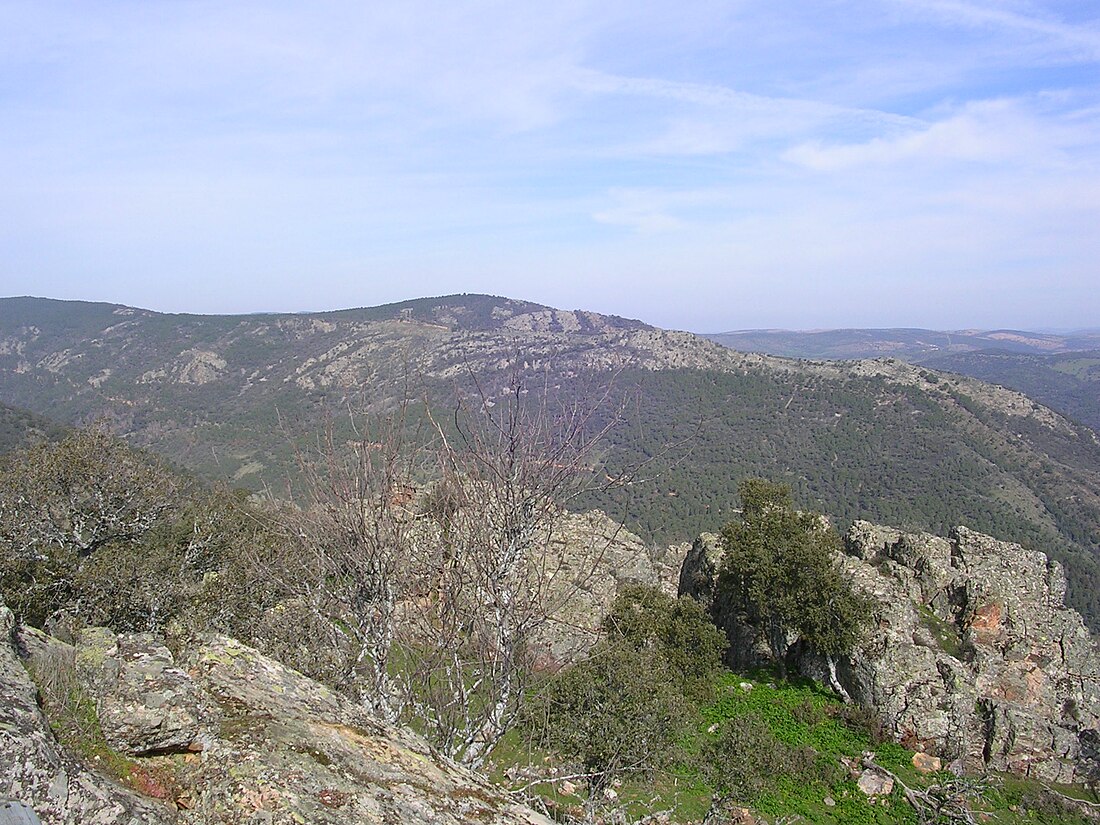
[[700, 165]]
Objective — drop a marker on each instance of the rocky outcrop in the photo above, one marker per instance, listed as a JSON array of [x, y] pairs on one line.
[[590, 557], [288, 749], [699, 580], [973, 655], [224, 735], [146, 705], [35, 770]]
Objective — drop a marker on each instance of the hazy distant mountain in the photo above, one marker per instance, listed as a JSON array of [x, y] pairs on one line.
[[883, 440], [1062, 370], [917, 345]]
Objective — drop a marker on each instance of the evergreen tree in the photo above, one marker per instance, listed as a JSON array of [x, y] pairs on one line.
[[780, 568]]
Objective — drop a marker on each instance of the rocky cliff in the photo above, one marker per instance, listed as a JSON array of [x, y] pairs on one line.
[[973, 654], [595, 558], [224, 734]]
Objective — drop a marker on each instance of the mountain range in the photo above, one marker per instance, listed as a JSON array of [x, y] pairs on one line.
[[1060, 370], [236, 397]]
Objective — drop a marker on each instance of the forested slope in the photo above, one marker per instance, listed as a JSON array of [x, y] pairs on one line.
[[883, 440]]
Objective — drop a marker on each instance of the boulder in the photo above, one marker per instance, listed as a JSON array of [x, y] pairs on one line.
[[875, 782], [145, 703], [926, 763], [291, 750], [588, 559]]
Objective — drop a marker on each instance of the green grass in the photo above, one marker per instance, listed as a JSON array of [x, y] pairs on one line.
[[799, 714]]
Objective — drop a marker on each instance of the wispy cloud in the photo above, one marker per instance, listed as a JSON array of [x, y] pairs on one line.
[[1076, 41], [633, 158], [988, 133]]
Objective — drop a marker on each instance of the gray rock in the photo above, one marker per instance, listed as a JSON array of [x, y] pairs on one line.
[[145, 703], [36, 771], [973, 655], [590, 558], [278, 747], [291, 750], [875, 782], [16, 813]]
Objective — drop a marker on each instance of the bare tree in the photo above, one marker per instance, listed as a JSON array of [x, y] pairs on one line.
[[515, 461], [435, 590], [350, 561]]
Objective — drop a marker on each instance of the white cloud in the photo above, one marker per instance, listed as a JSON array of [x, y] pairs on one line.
[[1075, 41], [647, 154], [987, 133]]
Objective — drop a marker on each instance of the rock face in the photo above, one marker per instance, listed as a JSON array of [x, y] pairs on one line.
[[146, 705], [35, 770], [973, 656], [227, 735], [592, 557], [699, 580]]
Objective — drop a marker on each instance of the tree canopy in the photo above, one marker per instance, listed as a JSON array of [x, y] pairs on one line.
[[780, 569]]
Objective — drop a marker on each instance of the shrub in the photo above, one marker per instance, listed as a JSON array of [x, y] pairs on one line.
[[677, 630], [780, 568], [617, 713], [862, 719], [745, 760]]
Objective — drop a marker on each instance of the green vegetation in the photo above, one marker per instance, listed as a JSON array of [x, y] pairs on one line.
[[620, 712], [783, 748], [850, 445], [98, 533], [93, 532], [20, 428], [856, 448], [1066, 382], [780, 569], [945, 633]]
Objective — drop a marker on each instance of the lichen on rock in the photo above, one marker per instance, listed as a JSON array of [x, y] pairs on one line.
[[973, 655]]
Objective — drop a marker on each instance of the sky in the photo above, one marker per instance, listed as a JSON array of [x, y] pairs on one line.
[[700, 165]]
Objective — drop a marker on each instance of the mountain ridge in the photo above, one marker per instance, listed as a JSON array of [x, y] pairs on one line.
[[880, 439], [1062, 370]]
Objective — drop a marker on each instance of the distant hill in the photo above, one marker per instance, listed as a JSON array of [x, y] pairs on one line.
[[916, 345], [1059, 370], [895, 443], [1068, 382]]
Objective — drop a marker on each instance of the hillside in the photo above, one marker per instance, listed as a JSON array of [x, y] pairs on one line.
[[229, 396], [18, 428], [1067, 381], [916, 345], [1059, 371]]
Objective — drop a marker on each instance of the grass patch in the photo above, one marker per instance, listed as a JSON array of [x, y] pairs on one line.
[[813, 736]]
